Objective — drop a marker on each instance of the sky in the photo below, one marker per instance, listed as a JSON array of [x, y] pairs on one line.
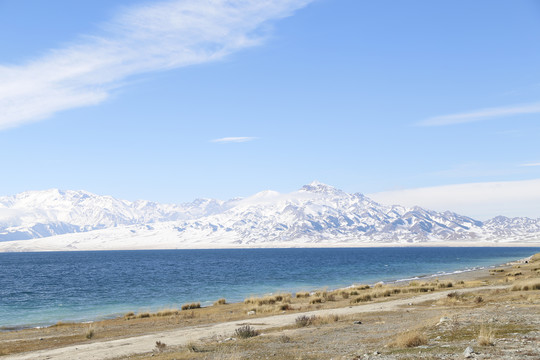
[[431, 103]]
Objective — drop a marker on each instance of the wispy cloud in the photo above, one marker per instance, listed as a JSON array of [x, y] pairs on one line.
[[530, 164], [483, 114], [239, 139], [141, 39], [478, 200]]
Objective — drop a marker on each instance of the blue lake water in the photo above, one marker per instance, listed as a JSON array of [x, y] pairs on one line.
[[43, 288]]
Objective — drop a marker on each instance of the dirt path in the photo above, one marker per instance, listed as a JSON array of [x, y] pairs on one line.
[[144, 344]]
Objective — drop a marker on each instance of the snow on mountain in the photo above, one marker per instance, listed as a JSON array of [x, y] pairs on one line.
[[315, 215], [36, 214]]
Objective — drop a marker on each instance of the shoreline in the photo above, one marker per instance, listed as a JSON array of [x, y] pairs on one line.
[[466, 274], [8, 247], [377, 314]]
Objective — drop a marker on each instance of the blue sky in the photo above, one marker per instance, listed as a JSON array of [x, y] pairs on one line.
[[130, 98]]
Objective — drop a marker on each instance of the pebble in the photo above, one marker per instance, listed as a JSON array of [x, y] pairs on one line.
[[443, 320], [357, 322], [468, 353]]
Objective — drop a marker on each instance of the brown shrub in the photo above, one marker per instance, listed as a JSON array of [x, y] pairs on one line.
[[363, 298], [409, 339], [221, 301], [191, 306]]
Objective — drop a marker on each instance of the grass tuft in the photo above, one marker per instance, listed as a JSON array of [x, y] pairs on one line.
[[486, 336], [191, 306], [245, 332], [193, 347], [168, 312], [221, 301], [304, 320], [160, 347], [527, 286], [443, 285], [409, 339], [363, 298]]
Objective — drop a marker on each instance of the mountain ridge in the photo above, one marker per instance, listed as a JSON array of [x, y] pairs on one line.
[[315, 214]]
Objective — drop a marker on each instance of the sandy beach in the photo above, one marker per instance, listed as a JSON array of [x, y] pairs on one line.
[[495, 312]]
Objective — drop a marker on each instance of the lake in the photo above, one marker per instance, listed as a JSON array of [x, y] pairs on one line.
[[38, 289]]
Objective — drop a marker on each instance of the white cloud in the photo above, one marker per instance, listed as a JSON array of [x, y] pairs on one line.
[[530, 164], [478, 200], [234, 139], [153, 37], [482, 114]]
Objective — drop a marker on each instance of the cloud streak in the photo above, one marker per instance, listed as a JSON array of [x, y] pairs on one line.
[[479, 115], [478, 200], [530, 164], [240, 139], [142, 39]]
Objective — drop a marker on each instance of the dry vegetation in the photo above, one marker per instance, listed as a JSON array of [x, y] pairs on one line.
[[409, 339], [491, 319]]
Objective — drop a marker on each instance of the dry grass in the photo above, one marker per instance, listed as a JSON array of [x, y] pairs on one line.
[[302, 294], [304, 320], [160, 347], [327, 319], [418, 289], [193, 347], [409, 339], [486, 336], [452, 299], [527, 285], [90, 333], [245, 332], [191, 306], [221, 301], [363, 298], [167, 312], [129, 315], [443, 285], [535, 258], [268, 300]]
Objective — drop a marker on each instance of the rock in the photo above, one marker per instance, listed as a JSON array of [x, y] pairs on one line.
[[443, 320], [376, 353], [468, 353], [252, 312], [357, 322]]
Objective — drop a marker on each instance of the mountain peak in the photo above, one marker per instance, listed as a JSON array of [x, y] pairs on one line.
[[318, 187]]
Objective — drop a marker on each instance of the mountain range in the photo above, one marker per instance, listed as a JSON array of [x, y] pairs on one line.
[[315, 215]]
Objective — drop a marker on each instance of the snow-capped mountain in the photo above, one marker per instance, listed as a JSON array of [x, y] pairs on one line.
[[36, 214], [315, 215]]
